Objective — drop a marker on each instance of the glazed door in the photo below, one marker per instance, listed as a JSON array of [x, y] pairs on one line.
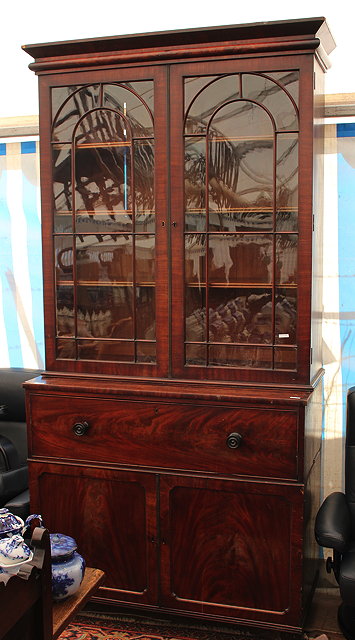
[[105, 221], [111, 515], [232, 548], [240, 232]]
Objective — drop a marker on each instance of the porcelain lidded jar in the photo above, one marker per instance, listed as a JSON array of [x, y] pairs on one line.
[[68, 566], [10, 524]]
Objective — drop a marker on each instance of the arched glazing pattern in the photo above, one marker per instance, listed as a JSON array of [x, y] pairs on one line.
[[241, 220], [104, 221]]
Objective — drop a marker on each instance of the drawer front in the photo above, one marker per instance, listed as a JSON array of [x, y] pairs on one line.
[[166, 435]]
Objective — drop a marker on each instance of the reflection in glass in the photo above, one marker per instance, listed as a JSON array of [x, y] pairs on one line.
[[120, 98], [65, 349], [109, 350], [146, 352], [289, 80], [243, 220], [63, 260], [104, 258], [240, 315], [66, 117], [240, 258], [195, 181], [145, 259], [274, 98], [65, 311], [143, 160], [244, 356], [240, 159], [62, 187], [63, 223], [285, 315], [286, 182], [286, 258], [285, 358], [103, 179], [101, 222], [105, 312], [145, 316], [195, 256], [195, 325], [196, 354], [225, 88]]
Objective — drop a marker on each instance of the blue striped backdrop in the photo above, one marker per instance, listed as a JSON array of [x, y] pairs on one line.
[[21, 306]]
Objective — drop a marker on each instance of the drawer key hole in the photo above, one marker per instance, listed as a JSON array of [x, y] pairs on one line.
[[80, 428], [234, 440]]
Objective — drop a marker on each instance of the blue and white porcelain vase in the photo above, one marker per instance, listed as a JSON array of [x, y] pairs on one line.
[[68, 566]]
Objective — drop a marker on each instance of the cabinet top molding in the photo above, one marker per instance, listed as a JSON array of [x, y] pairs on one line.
[[310, 34]]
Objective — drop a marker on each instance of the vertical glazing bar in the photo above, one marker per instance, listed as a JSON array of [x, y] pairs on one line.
[[125, 162], [75, 294], [207, 207], [273, 296], [134, 288]]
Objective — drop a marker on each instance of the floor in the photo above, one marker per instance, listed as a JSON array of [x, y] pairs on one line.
[[322, 619]]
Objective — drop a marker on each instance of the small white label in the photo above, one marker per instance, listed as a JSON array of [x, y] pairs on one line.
[[284, 335]]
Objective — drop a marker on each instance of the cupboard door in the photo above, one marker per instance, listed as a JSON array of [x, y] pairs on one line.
[[232, 548], [235, 199], [111, 515], [106, 219]]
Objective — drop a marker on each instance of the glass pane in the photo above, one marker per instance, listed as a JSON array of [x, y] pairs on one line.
[[102, 127], [143, 158], [196, 354], [103, 179], [145, 90], [62, 187], [103, 222], [195, 257], [145, 222], [241, 159], [109, 350], [265, 91], [145, 313], [195, 302], [195, 183], [286, 182], [240, 315], [285, 316], [104, 258], [146, 352], [105, 312], [121, 99], [63, 260], [145, 259], [223, 89], [82, 100], [244, 356], [65, 349], [286, 258], [243, 220], [240, 259], [65, 311], [285, 358], [63, 223], [289, 80]]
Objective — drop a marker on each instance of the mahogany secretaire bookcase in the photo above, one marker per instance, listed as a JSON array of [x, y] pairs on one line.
[[175, 433]]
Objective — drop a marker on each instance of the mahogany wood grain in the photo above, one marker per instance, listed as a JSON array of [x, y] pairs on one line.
[[163, 435], [231, 547]]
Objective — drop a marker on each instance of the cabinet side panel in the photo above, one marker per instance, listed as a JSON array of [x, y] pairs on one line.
[[318, 203]]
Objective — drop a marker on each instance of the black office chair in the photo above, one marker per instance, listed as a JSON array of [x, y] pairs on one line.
[[335, 528], [13, 441]]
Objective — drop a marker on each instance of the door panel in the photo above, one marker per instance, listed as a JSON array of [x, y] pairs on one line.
[[112, 517], [231, 548]]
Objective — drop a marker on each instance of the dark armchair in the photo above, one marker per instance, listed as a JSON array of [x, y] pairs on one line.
[[13, 441], [335, 529]]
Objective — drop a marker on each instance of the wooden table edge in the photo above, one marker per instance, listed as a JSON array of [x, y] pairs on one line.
[[65, 611]]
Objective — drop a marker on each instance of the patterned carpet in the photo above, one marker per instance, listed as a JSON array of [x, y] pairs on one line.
[[102, 627]]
